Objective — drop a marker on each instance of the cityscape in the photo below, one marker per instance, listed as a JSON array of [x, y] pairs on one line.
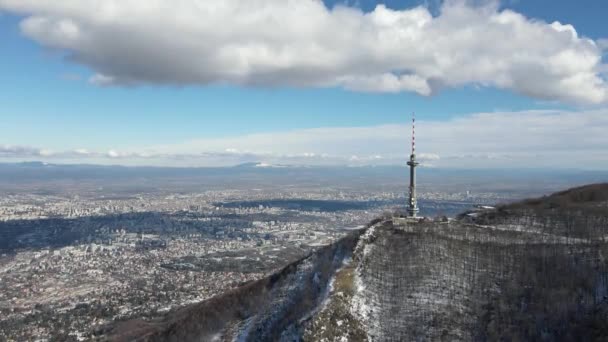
[[303, 170], [72, 264]]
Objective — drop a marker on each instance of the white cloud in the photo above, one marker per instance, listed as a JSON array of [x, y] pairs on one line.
[[46, 153], [82, 151], [303, 43], [10, 151], [534, 138], [507, 139], [101, 80], [428, 156], [113, 154]]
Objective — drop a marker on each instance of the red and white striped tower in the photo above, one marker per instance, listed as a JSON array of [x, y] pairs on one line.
[[413, 133], [412, 208]]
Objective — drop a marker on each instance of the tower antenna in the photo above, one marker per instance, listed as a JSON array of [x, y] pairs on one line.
[[413, 133]]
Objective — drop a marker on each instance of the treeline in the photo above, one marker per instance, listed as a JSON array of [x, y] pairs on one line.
[[579, 213]]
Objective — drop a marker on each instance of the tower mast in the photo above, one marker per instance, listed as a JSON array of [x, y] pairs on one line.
[[412, 208]]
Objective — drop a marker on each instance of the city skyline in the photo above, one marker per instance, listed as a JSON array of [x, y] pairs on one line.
[[222, 95]]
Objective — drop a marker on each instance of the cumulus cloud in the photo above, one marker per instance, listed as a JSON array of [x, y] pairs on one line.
[[306, 44], [563, 139]]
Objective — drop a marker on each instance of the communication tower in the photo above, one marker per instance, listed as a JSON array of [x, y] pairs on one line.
[[412, 208]]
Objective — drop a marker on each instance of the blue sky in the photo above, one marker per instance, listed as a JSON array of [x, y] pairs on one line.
[[51, 103]]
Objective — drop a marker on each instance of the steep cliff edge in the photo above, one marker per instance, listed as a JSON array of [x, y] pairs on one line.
[[519, 272]]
